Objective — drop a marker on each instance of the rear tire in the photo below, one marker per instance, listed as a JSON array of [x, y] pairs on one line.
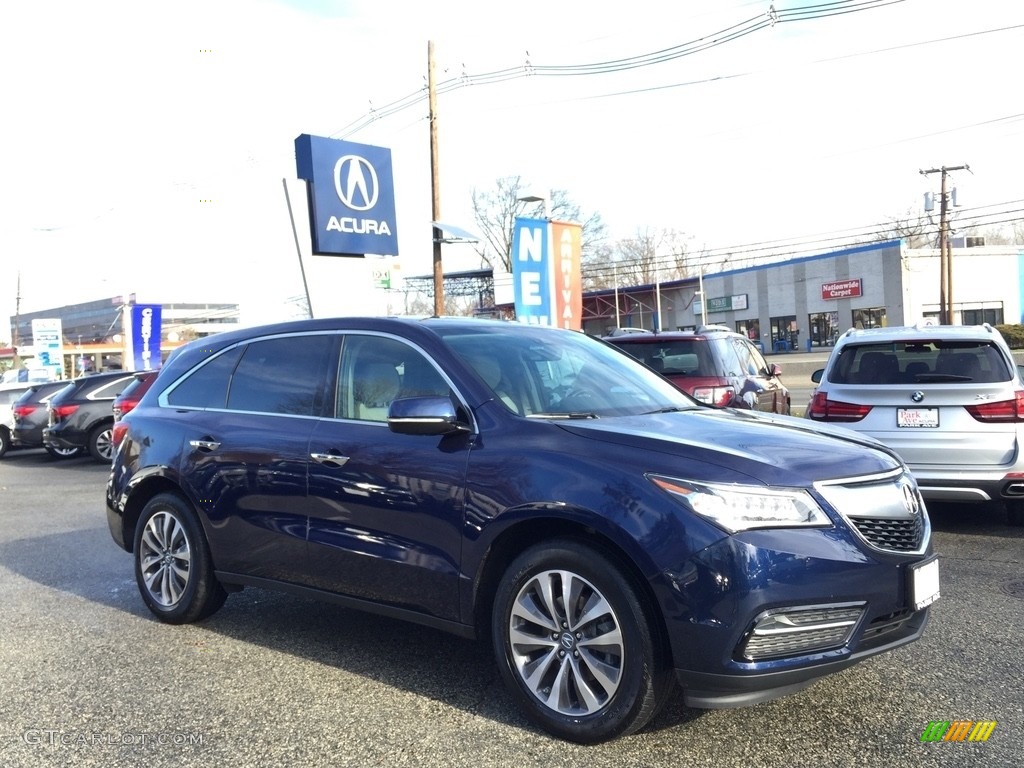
[[576, 646], [101, 443], [5, 441], [173, 567]]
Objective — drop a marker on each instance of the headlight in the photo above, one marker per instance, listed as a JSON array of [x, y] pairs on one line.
[[742, 507]]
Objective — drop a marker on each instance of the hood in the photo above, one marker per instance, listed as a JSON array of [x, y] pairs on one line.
[[778, 450]]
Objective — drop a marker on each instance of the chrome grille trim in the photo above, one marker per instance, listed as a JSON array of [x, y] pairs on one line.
[[886, 511]]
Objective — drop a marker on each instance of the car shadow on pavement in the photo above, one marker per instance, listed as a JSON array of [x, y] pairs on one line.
[[427, 662]]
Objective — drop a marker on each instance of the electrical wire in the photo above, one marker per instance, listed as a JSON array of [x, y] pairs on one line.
[[529, 69]]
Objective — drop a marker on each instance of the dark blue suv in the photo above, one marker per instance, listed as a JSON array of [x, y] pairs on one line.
[[534, 486]]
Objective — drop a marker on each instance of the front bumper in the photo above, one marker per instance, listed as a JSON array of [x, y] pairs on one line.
[[715, 601]]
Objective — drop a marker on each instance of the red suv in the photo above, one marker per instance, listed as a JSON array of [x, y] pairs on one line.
[[713, 364], [131, 394]]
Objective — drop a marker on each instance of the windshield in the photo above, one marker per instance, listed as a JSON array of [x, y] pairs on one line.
[[550, 373]]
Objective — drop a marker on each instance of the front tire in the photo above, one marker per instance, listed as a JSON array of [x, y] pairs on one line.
[[575, 644], [5, 441], [173, 567]]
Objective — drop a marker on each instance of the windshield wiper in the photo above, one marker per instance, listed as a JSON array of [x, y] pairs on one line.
[[670, 409], [569, 415]]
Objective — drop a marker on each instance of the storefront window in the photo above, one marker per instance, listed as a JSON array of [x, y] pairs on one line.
[[990, 315], [824, 328], [749, 328], [873, 317], [785, 333]]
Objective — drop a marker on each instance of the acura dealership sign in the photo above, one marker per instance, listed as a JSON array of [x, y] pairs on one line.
[[351, 196]]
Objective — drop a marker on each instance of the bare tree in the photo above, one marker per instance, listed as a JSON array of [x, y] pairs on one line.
[[913, 229], [496, 210], [650, 256]]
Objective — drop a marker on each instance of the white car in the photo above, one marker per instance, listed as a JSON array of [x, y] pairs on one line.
[[947, 398]]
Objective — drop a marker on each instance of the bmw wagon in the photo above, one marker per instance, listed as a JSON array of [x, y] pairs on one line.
[[607, 535]]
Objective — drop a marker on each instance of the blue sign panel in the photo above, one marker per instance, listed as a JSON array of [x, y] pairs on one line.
[[531, 272], [351, 196], [145, 336]]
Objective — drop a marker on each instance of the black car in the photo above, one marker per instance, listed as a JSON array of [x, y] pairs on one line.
[[80, 416], [31, 417], [609, 534], [713, 364]]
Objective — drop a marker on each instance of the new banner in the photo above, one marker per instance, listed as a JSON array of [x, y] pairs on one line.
[[351, 196], [144, 332], [546, 273]]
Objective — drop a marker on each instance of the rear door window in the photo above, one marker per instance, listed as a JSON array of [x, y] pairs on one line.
[[285, 375]]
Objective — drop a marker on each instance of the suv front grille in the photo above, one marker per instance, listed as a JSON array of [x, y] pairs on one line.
[[896, 535], [886, 510]]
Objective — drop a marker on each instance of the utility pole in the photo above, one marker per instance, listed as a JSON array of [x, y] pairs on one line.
[[435, 184], [945, 248], [17, 324]]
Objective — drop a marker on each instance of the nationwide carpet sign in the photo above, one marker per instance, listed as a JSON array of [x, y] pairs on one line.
[[351, 196], [546, 273], [842, 289]]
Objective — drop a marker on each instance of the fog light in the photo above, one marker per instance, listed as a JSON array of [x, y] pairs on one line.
[[798, 631]]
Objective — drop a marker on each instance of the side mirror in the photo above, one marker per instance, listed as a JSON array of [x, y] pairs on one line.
[[776, 370], [816, 376], [424, 416]]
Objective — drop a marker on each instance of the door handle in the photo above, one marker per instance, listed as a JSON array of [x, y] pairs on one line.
[[329, 459], [204, 445]]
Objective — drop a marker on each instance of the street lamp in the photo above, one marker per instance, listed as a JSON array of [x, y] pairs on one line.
[[543, 200]]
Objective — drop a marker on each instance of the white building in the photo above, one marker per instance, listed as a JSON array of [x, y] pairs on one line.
[[809, 301]]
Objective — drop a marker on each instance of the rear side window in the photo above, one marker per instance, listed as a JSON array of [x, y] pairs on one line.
[[207, 386], [111, 389], [920, 362]]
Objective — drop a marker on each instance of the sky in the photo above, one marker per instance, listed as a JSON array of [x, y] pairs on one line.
[[146, 148]]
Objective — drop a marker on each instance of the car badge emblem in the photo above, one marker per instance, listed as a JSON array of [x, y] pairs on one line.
[[910, 502], [918, 396], [355, 181]]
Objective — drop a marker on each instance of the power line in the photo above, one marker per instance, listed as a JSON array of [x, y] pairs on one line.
[[706, 42]]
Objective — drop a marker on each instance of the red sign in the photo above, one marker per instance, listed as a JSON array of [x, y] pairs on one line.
[[843, 289]]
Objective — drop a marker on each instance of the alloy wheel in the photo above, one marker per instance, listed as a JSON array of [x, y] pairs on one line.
[[165, 558]]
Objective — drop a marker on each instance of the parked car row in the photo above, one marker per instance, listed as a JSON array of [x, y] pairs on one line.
[[71, 418], [948, 399]]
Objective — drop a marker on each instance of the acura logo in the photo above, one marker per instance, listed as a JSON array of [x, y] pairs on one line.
[[355, 181], [918, 396], [910, 500]]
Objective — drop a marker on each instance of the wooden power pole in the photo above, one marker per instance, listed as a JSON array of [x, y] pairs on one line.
[[945, 247], [435, 184]]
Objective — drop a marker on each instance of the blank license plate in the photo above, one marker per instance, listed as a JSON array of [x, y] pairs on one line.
[[924, 583], [917, 417]]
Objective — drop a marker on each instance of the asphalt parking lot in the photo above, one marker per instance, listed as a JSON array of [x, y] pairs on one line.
[[88, 678]]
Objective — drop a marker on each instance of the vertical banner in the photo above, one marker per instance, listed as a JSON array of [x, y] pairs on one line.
[[48, 344], [531, 272], [568, 242], [546, 272], [144, 331]]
